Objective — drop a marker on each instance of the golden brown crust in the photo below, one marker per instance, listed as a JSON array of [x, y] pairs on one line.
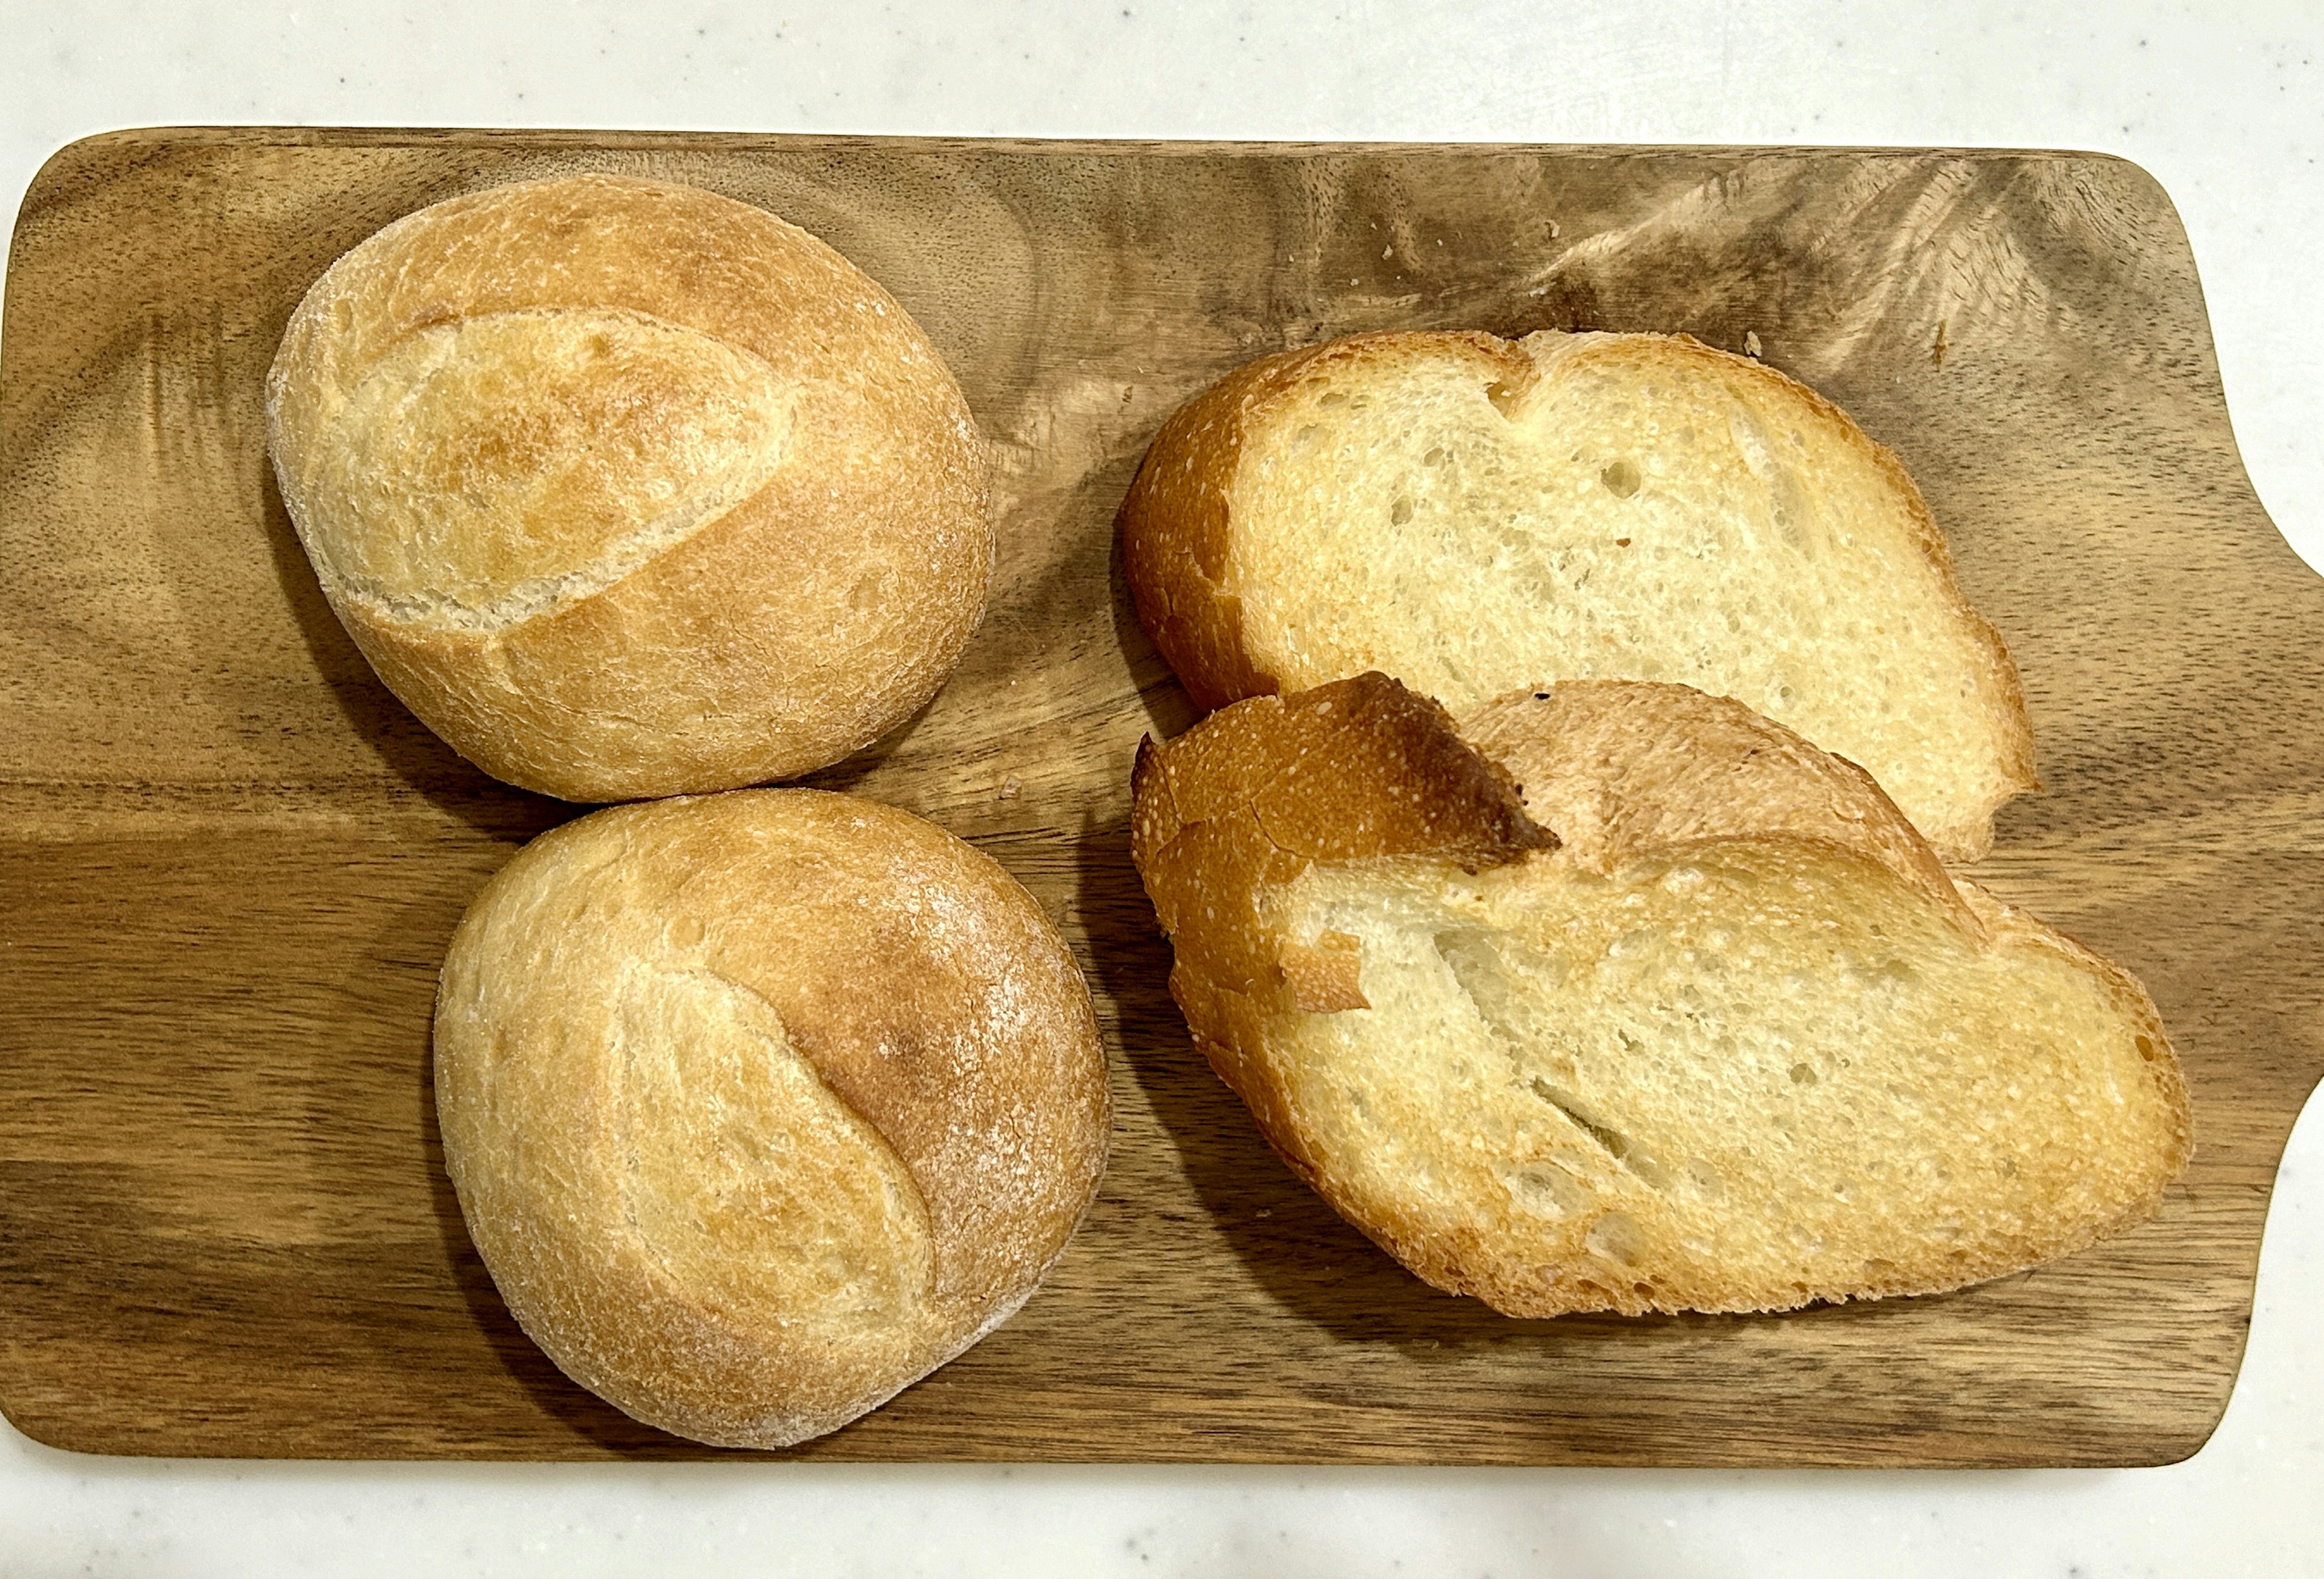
[[1632, 778], [1628, 769], [1254, 794], [1328, 977], [1241, 803], [1174, 522], [662, 1013], [1177, 526], [773, 635]]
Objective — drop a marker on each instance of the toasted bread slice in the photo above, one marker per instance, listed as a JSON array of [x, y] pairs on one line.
[[1474, 515], [1694, 1022]]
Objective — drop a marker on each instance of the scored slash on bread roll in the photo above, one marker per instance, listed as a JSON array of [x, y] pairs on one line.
[[628, 489], [761, 1105], [1475, 515], [1692, 1020]]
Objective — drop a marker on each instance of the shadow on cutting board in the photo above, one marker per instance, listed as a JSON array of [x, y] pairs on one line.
[[550, 1390], [409, 750]]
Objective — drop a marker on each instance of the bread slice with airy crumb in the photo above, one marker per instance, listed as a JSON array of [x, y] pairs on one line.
[[1475, 515], [1694, 1021]]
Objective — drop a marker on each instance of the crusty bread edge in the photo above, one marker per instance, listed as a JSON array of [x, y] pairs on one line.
[[2014, 723], [1174, 523], [1212, 1011], [455, 680], [1177, 525], [1221, 1017], [792, 1429], [528, 1297]]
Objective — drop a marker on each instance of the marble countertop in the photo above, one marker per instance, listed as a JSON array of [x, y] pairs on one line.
[[2223, 103]]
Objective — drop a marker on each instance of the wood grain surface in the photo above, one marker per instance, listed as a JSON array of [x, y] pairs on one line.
[[230, 862]]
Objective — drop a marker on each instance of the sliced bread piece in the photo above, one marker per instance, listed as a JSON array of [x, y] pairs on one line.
[[1694, 1022], [1476, 515]]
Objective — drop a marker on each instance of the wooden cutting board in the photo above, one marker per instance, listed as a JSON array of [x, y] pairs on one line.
[[230, 860]]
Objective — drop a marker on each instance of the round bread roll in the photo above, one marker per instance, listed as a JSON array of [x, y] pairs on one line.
[[761, 1106], [629, 490]]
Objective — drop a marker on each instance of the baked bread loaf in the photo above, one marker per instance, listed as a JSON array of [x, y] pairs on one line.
[[628, 489], [761, 1105], [1476, 516], [1695, 1023]]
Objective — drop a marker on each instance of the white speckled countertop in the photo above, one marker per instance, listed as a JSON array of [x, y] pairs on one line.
[[2224, 103]]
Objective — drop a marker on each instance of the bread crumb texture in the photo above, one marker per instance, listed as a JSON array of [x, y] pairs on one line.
[[1719, 1036], [1475, 515], [628, 489], [761, 1106]]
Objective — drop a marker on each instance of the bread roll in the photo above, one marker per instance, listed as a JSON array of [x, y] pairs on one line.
[[1475, 515], [629, 490], [761, 1105], [1694, 1022]]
